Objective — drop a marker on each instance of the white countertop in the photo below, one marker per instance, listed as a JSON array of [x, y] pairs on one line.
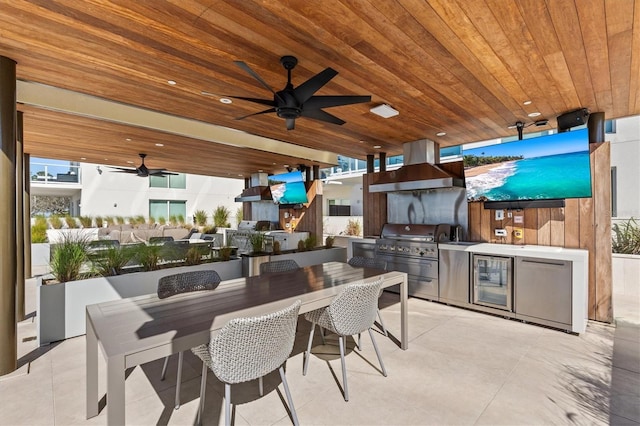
[[544, 252]]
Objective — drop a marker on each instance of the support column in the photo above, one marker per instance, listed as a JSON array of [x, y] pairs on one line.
[[383, 161], [316, 172], [8, 329], [19, 220], [26, 201], [370, 160]]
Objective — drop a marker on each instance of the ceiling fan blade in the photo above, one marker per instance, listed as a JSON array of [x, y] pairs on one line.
[[161, 172], [122, 170], [268, 102], [306, 90], [317, 102], [266, 111], [318, 114], [291, 123], [255, 75]]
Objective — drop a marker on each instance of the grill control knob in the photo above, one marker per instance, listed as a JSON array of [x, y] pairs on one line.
[[421, 253]]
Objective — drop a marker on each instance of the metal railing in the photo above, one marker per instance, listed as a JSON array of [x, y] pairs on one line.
[[55, 173]]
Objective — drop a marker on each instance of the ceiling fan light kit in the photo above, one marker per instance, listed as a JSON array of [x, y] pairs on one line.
[[384, 111], [295, 102]]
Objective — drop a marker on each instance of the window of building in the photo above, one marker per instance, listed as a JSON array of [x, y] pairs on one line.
[[610, 126], [167, 208], [178, 181], [339, 207]]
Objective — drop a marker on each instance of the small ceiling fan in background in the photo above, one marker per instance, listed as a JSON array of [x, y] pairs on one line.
[[291, 103], [142, 170]]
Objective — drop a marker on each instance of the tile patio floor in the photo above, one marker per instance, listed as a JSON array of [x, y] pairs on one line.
[[461, 368]]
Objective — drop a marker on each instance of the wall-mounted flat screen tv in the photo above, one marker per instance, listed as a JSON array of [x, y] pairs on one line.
[[543, 168], [288, 188]]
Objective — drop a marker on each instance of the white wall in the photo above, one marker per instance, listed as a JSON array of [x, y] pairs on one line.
[[350, 190], [625, 156], [122, 194]]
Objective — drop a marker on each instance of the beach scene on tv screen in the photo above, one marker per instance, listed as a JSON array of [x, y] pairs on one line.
[[547, 167], [288, 188]]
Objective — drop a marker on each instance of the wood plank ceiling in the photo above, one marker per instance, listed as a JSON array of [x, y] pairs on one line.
[[462, 67]]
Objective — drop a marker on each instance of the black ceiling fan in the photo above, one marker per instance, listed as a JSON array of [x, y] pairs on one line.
[[142, 170], [291, 103]]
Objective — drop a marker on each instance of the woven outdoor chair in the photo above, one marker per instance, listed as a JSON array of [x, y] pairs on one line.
[[184, 283], [369, 262], [278, 266], [351, 312], [246, 349]]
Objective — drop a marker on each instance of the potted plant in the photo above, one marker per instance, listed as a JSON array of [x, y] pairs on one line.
[[328, 242], [200, 217], [257, 242], [221, 217], [68, 257]]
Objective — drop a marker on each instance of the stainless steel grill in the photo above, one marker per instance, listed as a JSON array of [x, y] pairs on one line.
[[413, 248]]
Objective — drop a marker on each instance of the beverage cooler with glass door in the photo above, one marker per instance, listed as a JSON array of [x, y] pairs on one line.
[[493, 281]]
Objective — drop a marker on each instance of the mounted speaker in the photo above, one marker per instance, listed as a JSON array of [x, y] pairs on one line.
[[572, 119]]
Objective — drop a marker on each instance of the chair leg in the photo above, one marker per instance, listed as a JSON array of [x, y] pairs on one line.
[[289, 399], [203, 388], [308, 354], [359, 341], [179, 379], [375, 346], [261, 386], [164, 368], [384, 329], [322, 331], [341, 340], [227, 404]]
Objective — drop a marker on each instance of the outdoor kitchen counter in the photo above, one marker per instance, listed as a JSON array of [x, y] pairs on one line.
[[541, 252]]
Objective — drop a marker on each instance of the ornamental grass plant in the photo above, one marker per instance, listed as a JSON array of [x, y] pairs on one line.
[[626, 237]]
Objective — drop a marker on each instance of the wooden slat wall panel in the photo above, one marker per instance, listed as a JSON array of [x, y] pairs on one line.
[[583, 223], [309, 219], [374, 205], [602, 200]]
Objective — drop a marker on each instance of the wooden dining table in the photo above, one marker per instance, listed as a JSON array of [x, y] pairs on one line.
[[133, 331]]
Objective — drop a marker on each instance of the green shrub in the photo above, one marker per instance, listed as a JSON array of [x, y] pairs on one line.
[[257, 242], [152, 220], [353, 227], [39, 230], [181, 219], [71, 222], [173, 220], [148, 256], [99, 221], [200, 217], [209, 230], [301, 246], [239, 215], [221, 216], [86, 221], [328, 242], [310, 242], [110, 261], [120, 220], [109, 220], [626, 237], [68, 256], [162, 220], [55, 221]]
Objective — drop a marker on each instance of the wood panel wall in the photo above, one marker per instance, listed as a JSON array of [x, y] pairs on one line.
[[583, 223], [374, 206], [309, 218]]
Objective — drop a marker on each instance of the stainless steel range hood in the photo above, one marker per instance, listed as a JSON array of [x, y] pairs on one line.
[[419, 171], [258, 190]]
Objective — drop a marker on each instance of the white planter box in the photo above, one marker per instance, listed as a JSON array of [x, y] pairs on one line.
[[61, 307], [625, 270]]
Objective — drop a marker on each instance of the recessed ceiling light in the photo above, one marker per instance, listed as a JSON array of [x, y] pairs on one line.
[[172, 82], [106, 159], [441, 133], [534, 114], [285, 165], [130, 162], [361, 141], [226, 101], [526, 103], [128, 139], [159, 144], [240, 175], [377, 147], [83, 158]]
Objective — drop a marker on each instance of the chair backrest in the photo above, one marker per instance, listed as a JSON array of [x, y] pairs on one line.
[[278, 266], [187, 282], [248, 348], [368, 262], [354, 310]]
